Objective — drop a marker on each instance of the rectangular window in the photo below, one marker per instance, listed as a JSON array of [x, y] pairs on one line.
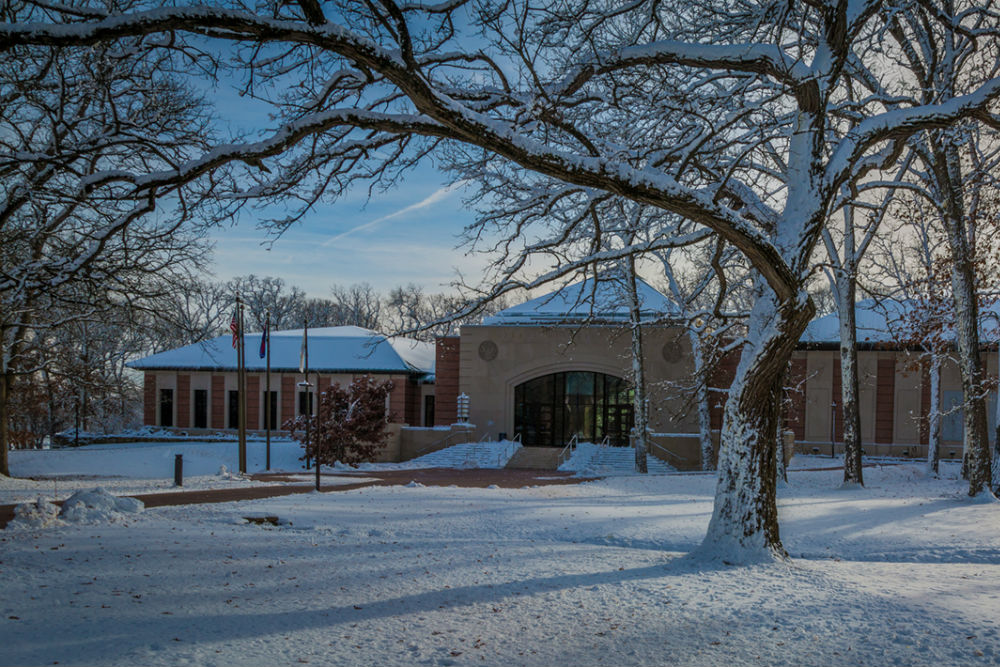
[[166, 407], [428, 411], [305, 403], [201, 408], [234, 408], [274, 410]]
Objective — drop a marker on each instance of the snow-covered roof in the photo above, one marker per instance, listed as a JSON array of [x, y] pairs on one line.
[[886, 322], [581, 302], [331, 349]]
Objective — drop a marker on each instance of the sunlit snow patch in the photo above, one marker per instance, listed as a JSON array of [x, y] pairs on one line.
[[97, 506]]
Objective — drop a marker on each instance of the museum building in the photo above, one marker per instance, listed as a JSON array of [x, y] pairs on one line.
[[554, 369]]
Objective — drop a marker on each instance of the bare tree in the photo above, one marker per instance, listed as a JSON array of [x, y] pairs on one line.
[[948, 59], [732, 117]]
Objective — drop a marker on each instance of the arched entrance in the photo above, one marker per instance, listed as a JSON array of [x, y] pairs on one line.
[[551, 409]]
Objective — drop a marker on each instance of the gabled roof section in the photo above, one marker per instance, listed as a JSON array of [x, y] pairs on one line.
[[584, 302], [345, 349]]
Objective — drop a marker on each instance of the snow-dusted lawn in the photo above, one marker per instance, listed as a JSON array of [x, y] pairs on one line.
[[903, 572], [139, 467]]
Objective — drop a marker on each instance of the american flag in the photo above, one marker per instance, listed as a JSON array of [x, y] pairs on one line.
[[234, 326]]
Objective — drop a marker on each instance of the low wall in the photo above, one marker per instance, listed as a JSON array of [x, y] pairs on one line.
[[898, 450], [683, 450], [416, 441]]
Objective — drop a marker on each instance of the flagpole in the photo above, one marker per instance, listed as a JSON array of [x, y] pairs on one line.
[[316, 447], [305, 381], [267, 390], [242, 391]]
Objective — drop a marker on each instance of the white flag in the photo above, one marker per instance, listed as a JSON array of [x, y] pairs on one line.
[[303, 352]]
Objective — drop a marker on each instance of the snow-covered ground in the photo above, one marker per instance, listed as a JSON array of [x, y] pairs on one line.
[[148, 467], [139, 467], [905, 571]]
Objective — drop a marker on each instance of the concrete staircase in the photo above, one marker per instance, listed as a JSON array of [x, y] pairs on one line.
[[589, 459], [470, 455], [621, 461], [535, 458]]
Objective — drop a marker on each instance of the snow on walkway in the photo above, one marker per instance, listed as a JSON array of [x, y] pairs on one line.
[[906, 571]]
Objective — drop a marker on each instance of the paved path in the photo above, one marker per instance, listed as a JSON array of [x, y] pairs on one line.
[[297, 483]]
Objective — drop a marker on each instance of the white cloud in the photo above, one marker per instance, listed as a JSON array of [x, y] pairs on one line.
[[438, 195]]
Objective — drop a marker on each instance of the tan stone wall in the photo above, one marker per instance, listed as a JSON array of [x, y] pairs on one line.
[[895, 402], [414, 441], [527, 352]]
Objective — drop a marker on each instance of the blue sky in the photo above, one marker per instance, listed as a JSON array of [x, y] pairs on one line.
[[408, 234]]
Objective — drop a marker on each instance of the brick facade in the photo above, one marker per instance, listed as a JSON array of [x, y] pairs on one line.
[[149, 399], [885, 389], [446, 388], [218, 400], [183, 401], [795, 418], [286, 410], [721, 379]]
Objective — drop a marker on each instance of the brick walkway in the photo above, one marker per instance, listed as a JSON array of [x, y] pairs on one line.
[[296, 483]]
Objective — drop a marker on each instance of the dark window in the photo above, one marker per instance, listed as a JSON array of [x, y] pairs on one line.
[[550, 410], [305, 403], [428, 411], [166, 407], [234, 409], [274, 410], [201, 408]]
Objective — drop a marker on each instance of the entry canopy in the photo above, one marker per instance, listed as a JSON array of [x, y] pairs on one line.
[[603, 300]]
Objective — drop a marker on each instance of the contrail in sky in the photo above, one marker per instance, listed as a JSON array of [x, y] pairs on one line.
[[429, 200]]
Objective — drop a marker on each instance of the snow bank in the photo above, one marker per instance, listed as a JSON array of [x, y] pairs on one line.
[[97, 506], [83, 507], [34, 515]]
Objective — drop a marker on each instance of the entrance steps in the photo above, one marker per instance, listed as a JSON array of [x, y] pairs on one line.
[[590, 459], [535, 458]]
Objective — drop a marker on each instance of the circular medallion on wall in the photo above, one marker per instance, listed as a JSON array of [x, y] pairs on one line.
[[672, 352], [488, 350]]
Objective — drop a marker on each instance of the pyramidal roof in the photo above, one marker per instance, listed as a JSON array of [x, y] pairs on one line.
[[603, 300], [346, 349]]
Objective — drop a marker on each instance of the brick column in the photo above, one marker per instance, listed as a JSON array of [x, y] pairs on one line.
[[218, 401], [722, 378], [446, 378], [183, 401], [796, 417], [288, 398], [149, 399], [885, 390]]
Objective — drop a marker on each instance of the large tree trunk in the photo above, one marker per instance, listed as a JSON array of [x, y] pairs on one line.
[[744, 525], [849, 379], [4, 446], [638, 376], [975, 439]]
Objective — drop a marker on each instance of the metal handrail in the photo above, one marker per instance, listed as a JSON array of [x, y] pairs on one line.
[[606, 442], [665, 450], [570, 446], [434, 444]]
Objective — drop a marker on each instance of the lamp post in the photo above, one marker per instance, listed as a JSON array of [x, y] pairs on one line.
[[305, 384]]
